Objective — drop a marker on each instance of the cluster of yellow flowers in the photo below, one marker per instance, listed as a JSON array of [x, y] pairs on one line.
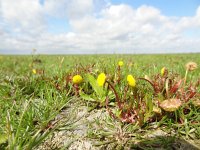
[[101, 79]]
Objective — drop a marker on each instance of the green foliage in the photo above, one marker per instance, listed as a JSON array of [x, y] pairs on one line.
[[29, 102], [98, 90]]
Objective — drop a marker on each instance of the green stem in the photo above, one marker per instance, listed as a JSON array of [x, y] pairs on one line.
[[185, 78], [119, 74]]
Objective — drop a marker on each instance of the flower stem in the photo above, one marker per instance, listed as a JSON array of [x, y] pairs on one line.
[[116, 95], [185, 78], [76, 89], [119, 74]]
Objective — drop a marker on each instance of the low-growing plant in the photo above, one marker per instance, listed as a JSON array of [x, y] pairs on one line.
[[169, 94]]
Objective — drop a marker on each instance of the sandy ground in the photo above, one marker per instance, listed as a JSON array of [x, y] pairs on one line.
[[76, 138]]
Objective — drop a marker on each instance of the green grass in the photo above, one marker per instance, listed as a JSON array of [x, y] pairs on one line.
[[30, 102]]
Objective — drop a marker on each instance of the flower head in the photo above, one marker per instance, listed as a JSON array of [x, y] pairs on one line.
[[77, 79], [34, 71], [120, 63], [191, 66], [162, 72], [101, 79], [131, 80], [170, 104]]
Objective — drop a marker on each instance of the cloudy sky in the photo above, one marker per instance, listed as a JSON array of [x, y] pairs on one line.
[[99, 26]]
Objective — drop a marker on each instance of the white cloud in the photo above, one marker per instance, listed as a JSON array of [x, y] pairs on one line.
[[68, 8], [22, 16], [144, 28], [113, 28]]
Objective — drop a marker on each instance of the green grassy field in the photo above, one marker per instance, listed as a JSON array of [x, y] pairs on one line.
[[35, 90]]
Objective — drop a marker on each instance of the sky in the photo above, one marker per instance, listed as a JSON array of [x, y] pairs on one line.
[[99, 26]]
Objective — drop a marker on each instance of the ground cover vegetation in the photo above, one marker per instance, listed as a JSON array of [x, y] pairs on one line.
[[136, 95]]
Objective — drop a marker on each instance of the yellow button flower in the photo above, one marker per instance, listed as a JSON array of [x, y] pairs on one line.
[[131, 80], [34, 71], [77, 79], [101, 79], [120, 63], [162, 71]]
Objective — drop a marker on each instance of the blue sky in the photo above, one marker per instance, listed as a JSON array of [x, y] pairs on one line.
[[99, 26], [167, 7]]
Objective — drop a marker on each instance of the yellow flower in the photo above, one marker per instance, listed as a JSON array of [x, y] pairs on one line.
[[101, 79], [77, 79], [162, 71], [131, 80], [120, 63], [34, 71]]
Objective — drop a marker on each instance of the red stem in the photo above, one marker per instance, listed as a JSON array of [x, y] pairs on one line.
[[116, 95], [152, 84]]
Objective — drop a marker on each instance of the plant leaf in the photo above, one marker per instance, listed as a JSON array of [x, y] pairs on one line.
[[3, 138], [87, 97], [175, 87], [93, 82]]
